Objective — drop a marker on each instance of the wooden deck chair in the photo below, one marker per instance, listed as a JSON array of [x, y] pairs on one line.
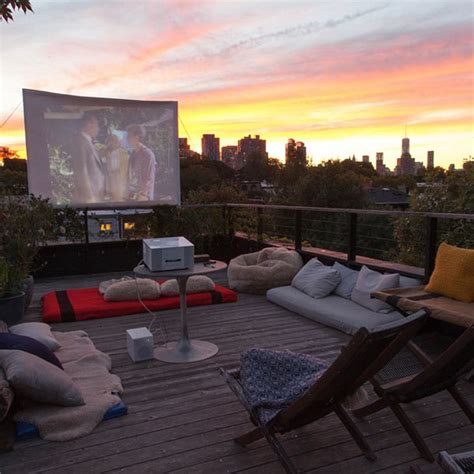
[[395, 388], [361, 359]]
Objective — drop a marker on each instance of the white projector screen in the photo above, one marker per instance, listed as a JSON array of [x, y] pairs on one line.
[[101, 153]]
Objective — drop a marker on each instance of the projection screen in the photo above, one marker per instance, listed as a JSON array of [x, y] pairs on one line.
[[101, 153]]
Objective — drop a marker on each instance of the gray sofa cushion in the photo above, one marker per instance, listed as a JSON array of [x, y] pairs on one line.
[[333, 310], [348, 280], [369, 281], [316, 280], [408, 282]]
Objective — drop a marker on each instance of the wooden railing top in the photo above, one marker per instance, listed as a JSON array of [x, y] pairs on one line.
[[439, 215], [332, 210]]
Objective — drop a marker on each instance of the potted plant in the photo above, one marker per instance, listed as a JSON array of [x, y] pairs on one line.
[[27, 223], [12, 298]]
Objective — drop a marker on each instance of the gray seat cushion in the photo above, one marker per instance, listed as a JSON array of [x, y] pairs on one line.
[[333, 310]]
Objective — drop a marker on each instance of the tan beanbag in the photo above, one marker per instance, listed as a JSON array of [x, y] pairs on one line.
[[131, 290], [195, 284], [259, 271]]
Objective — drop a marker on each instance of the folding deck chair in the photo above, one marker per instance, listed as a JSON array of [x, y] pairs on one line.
[[360, 360], [395, 387]]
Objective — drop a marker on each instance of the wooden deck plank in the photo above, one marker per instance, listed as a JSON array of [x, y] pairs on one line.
[[182, 418]]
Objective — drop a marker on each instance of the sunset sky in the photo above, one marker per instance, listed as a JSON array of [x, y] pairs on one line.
[[345, 77]]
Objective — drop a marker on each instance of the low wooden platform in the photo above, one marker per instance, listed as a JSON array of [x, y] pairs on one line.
[[182, 418]]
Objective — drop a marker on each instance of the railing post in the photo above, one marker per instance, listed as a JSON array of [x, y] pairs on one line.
[[352, 243], [259, 225], [224, 219], [230, 225], [431, 243], [298, 238]]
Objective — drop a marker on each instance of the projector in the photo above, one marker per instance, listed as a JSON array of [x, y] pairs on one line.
[[168, 253], [140, 344]]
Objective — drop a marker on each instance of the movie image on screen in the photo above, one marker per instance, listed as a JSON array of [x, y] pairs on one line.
[[97, 153]]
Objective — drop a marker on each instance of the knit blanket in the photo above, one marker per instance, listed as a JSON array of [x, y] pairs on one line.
[[273, 380], [90, 370]]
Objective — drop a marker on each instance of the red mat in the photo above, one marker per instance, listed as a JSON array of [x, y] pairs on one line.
[[88, 303]]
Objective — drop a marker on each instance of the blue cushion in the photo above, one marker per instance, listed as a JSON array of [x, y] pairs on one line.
[[16, 342], [25, 430]]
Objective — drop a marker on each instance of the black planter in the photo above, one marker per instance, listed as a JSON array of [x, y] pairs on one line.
[[12, 309], [28, 288]]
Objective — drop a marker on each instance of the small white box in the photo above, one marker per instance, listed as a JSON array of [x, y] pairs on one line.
[[168, 253], [140, 344]]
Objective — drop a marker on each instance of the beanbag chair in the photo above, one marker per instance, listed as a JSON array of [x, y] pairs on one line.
[[259, 271]]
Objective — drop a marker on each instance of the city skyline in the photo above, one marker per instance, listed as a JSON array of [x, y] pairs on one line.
[[344, 79], [377, 161]]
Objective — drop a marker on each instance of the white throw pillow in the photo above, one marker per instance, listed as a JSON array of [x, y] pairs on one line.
[[39, 331], [348, 280], [369, 281], [38, 380], [195, 284], [130, 289], [316, 280]]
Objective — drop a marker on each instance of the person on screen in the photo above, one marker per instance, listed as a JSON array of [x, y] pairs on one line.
[[141, 166], [89, 173], [116, 166]]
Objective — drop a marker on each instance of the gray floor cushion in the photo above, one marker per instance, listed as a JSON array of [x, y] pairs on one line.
[[333, 310]]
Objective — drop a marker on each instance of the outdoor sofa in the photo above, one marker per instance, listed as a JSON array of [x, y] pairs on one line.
[[333, 310]]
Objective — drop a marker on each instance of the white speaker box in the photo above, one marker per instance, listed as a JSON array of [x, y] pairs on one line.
[[140, 344]]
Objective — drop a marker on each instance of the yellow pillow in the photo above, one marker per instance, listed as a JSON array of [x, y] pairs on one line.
[[453, 275]]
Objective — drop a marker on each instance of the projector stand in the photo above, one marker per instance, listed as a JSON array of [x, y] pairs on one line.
[[185, 350]]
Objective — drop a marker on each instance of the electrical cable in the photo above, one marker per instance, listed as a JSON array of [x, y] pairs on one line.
[[11, 113], [186, 131], [163, 332]]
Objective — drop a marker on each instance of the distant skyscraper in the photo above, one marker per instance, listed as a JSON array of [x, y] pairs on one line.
[[430, 160], [210, 147], [380, 168], [379, 162], [419, 168], [228, 155], [365, 159], [405, 145], [405, 164], [247, 146], [295, 153], [184, 148]]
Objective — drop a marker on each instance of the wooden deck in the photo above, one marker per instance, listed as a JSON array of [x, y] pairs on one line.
[[182, 418]]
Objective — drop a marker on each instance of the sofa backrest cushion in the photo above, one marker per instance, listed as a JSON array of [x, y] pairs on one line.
[[453, 275], [348, 280], [409, 282], [130, 290], [39, 331], [38, 380], [195, 284], [369, 281], [30, 345], [316, 280]]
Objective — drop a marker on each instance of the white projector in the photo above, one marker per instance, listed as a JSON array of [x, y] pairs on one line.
[[168, 253], [140, 344]]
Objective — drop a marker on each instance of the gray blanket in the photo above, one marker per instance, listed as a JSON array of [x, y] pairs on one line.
[[90, 370]]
